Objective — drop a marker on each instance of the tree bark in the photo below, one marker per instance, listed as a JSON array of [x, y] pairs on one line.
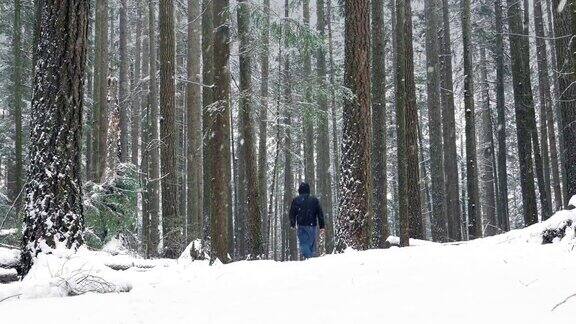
[[567, 108], [145, 141], [254, 240], [308, 116], [411, 109], [554, 161], [523, 103], [380, 232], [54, 210], [220, 128], [17, 94], [207, 101], [172, 225], [449, 129], [550, 161], [556, 94], [474, 217], [439, 218], [323, 148], [401, 152], [195, 167], [263, 126], [136, 87], [355, 209], [123, 97], [503, 213], [100, 129], [486, 151], [153, 139], [333, 109], [290, 250]]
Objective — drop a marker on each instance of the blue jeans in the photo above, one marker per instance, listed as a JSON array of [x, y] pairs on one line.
[[307, 239]]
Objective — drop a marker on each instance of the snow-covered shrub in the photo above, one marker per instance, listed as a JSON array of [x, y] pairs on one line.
[[110, 209]]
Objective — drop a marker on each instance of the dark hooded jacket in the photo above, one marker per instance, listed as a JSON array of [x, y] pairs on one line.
[[305, 209]]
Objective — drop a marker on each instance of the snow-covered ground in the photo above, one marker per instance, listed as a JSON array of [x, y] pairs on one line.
[[504, 279]]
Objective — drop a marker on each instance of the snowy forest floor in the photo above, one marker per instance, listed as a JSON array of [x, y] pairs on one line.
[[510, 278]]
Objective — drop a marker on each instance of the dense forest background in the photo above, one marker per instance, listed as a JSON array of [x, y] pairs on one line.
[[444, 120]]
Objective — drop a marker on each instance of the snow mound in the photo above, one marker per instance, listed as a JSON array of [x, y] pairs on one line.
[[559, 228], [195, 251], [395, 241], [9, 258], [65, 273]]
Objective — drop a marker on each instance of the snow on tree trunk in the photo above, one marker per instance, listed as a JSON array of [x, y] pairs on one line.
[[54, 212], [355, 209]]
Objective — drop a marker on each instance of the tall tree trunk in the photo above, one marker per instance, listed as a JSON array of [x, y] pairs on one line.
[[290, 250], [263, 126], [220, 129], [145, 140], [135, 88], [100, 127], [425, 195], [324, 189], [254, 240], [54, 212], [308, 116], [333, 108], [380, 232], [439, 220], [401, 151], [17, 94], [411, 124], [563, 35], [474, 219], [503, 217], [546, 110], [543, 185], [153, 139], [554, 161], [523, 103], [240, 191], [486, 150], [195, 167], [449, 129], [123, 98], [207, 101], [355, 209], [172, 225], [556, 95]]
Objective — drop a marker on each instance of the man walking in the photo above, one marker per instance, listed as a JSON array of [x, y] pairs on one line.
[[306, 215]]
